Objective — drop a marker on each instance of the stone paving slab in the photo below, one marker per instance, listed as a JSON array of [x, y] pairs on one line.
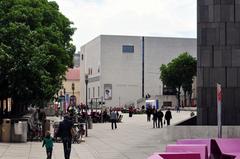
[[134, 139]]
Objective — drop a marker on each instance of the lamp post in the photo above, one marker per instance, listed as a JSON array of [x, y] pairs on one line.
[[64, 100], [86, 82], [73, 87], [101, 109]]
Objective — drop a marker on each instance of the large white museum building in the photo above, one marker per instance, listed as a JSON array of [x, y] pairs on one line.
[[121, 70]]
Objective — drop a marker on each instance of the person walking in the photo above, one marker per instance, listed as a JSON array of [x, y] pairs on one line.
[[130, 111], [159, 118], [149, 112], [48, 143], [105, 115], [42, 119], [154, 118], [178, 109], [168, 116], [65, 132], [113, 118]]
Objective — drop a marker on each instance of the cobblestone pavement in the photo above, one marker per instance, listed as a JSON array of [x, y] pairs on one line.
[[133, 139]]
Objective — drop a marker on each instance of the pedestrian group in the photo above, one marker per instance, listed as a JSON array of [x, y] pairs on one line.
[[65, 130], [158, 117]]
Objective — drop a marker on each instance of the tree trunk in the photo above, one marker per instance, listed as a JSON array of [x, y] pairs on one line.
[[190, 99], [178, 96], [16, 108], [1, 108], [185, 98]]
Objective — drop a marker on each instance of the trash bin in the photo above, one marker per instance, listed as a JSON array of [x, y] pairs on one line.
[[18, 128], [90, 125], [25, 131], [6, 130], [19, 131]]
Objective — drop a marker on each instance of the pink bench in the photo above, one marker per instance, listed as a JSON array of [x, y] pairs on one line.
[[237, 156], [229, 147], [198, 148], [155, 156], [207, 142], [195, 148], [175, 155]]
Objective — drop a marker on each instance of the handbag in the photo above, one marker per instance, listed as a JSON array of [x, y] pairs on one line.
[[73, 132]]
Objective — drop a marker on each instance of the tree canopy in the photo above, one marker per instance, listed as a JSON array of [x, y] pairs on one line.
[[35, 50], [179, 73]]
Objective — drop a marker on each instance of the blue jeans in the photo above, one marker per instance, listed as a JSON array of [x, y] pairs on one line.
[[67, 142]]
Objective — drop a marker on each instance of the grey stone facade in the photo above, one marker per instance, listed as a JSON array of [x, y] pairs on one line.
[[218, 60]]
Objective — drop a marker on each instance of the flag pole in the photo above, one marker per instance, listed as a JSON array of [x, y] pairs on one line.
[[219, 110]]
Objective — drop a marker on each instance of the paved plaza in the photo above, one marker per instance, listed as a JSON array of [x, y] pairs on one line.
[[133, 139]]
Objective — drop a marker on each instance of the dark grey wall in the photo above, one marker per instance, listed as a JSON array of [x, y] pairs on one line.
[[218, 60]]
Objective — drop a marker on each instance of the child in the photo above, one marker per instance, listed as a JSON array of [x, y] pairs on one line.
[[48, 143]]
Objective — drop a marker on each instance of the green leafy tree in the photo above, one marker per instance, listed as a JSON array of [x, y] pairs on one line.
[[189, 65], [35, 51], [179, 74], [187, 88]]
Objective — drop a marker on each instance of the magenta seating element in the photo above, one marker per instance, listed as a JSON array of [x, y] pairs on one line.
[[237, 156], [155, 156], [177, 155], [197, 141], [229, 146], [195, 148]]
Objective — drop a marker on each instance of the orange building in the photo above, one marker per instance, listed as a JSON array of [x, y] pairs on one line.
[[72, 84]]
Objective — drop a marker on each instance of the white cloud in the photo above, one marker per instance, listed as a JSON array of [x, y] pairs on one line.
[[175, 18]]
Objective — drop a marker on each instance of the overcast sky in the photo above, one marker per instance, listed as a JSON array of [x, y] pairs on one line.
[[168, 18]]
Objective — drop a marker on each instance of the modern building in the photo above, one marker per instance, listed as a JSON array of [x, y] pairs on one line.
[[124, 69], [218, 60]]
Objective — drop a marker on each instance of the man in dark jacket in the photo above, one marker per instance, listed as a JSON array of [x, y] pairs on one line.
[[149, 112], [168, 116], [160, 117], [154, 118], [64, 131]]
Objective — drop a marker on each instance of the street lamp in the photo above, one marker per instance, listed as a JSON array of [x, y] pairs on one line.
[[62, 101], [86, 82], [73, 87]]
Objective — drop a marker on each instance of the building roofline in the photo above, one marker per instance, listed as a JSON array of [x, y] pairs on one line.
[[99, 36], [115, 35], [162, 37]]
